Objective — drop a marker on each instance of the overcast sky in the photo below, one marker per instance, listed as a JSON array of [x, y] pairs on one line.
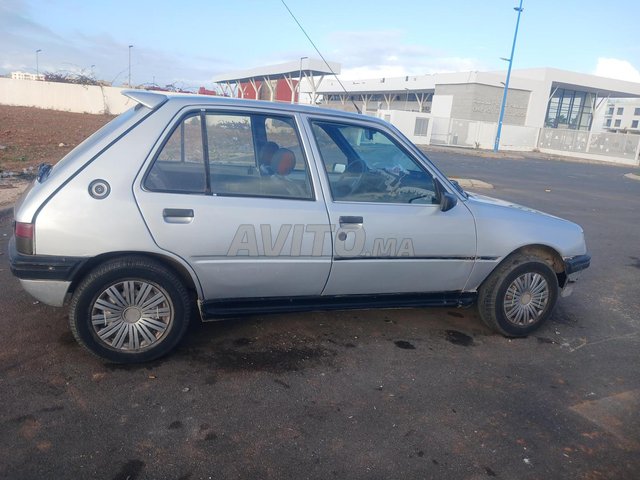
[[187, 42]]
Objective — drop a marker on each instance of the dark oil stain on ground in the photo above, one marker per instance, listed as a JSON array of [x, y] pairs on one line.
[[545, 340], [490, 472], [636, 262], [349, 345], [280, 382], [130, 470], [274, 360], [458, 338], [135, 367], [242, 342], [175, 425], [404, 345], [24, 418], [455, 314]]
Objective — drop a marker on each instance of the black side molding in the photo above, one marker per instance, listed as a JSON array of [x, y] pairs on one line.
[[43, 267], [238, 307], [577, 263]]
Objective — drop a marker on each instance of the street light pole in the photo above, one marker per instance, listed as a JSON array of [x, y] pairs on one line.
[[130, 47], [406, 98], [300, 78], [506, 83], [37, 65]]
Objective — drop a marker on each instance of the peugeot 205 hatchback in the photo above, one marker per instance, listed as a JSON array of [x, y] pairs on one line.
[[243, 207]]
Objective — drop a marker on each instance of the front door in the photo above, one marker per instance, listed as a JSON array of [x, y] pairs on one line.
[[390, 235]]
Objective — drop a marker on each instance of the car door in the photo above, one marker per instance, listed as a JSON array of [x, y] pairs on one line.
[[246, 230], [390, 234]]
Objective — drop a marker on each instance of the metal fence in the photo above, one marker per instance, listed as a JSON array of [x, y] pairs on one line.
[[623, 146], [425, 129]]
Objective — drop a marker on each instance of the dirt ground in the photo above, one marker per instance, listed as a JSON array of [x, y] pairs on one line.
[[30, 136]]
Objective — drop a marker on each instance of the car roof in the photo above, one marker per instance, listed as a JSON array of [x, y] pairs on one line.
[[154, 100]]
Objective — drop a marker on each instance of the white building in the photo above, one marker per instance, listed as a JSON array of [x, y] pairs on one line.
[[27, 76], [539, 97], [622, 116], [547, 109]]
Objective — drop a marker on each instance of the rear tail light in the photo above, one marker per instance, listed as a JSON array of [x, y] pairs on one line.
[[24, 238]]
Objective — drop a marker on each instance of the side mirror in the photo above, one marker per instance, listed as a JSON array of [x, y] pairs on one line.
[[447, 201]]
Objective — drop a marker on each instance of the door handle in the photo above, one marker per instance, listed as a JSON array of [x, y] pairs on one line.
[[351, 220], [177, 215]]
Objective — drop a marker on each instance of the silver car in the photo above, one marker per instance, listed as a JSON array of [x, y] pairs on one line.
[[243, 207]]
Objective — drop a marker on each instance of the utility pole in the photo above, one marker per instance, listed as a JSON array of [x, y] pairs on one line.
[[130, 47], [37, 65], [300, 78], [506, 83]]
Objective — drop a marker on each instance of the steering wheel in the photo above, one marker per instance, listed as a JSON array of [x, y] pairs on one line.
[[352, 176]]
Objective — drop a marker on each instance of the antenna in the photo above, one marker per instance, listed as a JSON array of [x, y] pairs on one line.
[[321, 56]]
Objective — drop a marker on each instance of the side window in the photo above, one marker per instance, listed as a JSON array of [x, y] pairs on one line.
[[179, 166], [256, 155], [366, 165]]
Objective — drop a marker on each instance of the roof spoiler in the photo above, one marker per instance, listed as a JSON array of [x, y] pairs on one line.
[[150, 100]]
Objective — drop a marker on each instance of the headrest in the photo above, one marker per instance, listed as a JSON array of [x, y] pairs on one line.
[[266, 152], [283, 161]]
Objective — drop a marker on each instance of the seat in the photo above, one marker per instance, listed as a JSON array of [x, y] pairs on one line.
[[265, 156], [282, 164]]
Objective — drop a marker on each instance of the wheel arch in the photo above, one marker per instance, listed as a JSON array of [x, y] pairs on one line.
[[188, 278], [546, 253]]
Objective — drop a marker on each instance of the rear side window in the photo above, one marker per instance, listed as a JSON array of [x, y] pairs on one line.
[[180, 166], [233, 154]]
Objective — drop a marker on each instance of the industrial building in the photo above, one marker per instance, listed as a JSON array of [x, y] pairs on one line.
[[547, 109]]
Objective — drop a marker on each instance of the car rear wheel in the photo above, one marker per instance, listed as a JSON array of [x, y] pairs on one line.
[[519, 296], [130, 310]]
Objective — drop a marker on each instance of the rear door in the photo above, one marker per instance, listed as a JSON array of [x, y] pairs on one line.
[[247, 230], [390, 235]]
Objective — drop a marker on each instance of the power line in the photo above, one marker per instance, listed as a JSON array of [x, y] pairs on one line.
[[321, 56]]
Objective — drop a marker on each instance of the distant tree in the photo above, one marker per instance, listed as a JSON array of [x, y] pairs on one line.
[[67, 77]]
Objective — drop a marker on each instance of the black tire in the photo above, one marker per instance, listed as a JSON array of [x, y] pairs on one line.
[[136, 286], [497, 302]]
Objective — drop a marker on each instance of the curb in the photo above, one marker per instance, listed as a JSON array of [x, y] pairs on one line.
[[632, 176], [472, 183]]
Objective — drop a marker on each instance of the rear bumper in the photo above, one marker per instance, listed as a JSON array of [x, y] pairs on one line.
[[45, 277], [43, 267]]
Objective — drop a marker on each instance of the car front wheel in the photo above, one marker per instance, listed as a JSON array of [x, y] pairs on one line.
[[519, 296], [130, 310]]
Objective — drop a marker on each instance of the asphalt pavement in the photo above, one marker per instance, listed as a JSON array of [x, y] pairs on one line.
[[386, 394]]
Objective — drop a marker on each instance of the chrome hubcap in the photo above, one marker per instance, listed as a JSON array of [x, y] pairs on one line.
[[132, 315], [526, 299]]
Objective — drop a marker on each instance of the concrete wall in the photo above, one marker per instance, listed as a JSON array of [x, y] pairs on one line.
[[63, 96], [473, 101]]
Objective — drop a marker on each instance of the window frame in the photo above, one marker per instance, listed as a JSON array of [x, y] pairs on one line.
[[179, 124], [424, 166], [291, 119]]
